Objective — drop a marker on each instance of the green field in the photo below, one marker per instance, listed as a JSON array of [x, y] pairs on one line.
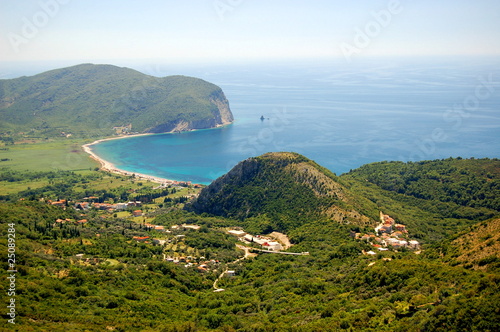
[[64, 155], [53, 155]]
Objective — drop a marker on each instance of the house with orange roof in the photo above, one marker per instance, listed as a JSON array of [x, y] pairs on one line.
[[140, 238]]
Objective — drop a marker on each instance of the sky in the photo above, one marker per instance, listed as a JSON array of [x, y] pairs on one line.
[[244, 30]]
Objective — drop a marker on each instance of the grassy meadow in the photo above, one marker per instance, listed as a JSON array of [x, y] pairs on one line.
[[49, 155], [58, 155]]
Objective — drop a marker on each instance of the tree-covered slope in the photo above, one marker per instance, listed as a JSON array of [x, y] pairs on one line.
[[281, 191], [90, 100], [122, 285], [477, 247], [436, 199], [464, 182]]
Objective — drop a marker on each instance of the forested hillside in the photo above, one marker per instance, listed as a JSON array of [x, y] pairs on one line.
[[435, 198], [465, 182], [100, 100], [281, 191], [152, 265]]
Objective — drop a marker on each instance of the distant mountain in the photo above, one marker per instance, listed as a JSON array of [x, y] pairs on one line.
[[100, 100], [281, 191]]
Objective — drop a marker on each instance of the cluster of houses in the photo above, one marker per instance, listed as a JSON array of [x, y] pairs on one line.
[[84, 206], [166, 183], [388, 234], [159, 228], [266, 242], [200, 263], [71, 221], [123, 130]]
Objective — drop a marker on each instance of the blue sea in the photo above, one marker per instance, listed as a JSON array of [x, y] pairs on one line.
[[341, 115]]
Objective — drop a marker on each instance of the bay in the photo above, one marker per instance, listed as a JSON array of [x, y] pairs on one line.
[[340, 115]]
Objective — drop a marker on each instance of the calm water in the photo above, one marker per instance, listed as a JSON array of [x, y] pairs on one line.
[[340, 115]]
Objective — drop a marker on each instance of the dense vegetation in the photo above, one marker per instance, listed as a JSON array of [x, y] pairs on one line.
[[94, 276], [279, 191], [416, 193], [90, 100], [473, 183]]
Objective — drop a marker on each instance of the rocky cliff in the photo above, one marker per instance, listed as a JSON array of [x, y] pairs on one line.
[[220, 115]]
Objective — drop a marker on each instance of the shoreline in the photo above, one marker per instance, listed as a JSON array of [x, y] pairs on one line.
[[110, 167]]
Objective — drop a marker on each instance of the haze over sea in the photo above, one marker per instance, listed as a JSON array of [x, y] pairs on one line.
[[340, 115]]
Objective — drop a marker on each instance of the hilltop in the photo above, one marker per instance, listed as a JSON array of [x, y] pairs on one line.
[[285, 191], [101, 100], [282, 191]]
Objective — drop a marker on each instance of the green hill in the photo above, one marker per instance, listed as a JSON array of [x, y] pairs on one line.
[[464, 182], [91, 100], [281, 191]]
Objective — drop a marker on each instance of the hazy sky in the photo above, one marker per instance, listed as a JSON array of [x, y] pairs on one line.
[[225, 30]]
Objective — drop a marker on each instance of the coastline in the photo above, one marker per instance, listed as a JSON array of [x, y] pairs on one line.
[[110, 167]]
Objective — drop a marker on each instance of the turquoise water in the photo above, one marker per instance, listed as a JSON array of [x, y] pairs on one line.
[[342, 116]]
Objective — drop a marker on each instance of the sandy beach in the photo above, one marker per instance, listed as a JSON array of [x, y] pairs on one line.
[[110, 167]]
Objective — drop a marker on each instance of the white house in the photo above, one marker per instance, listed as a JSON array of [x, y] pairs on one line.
[[120, 206], [237, 233], [414, 244], [276, 246], [248, 237]]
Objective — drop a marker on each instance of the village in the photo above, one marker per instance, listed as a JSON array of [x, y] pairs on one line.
[[265, 242], [173, 239], [388, 235]]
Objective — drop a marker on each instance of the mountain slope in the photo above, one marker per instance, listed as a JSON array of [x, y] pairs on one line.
[[478, 247], [281, 191], [91, 99], [465, 182], [435, 199]]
